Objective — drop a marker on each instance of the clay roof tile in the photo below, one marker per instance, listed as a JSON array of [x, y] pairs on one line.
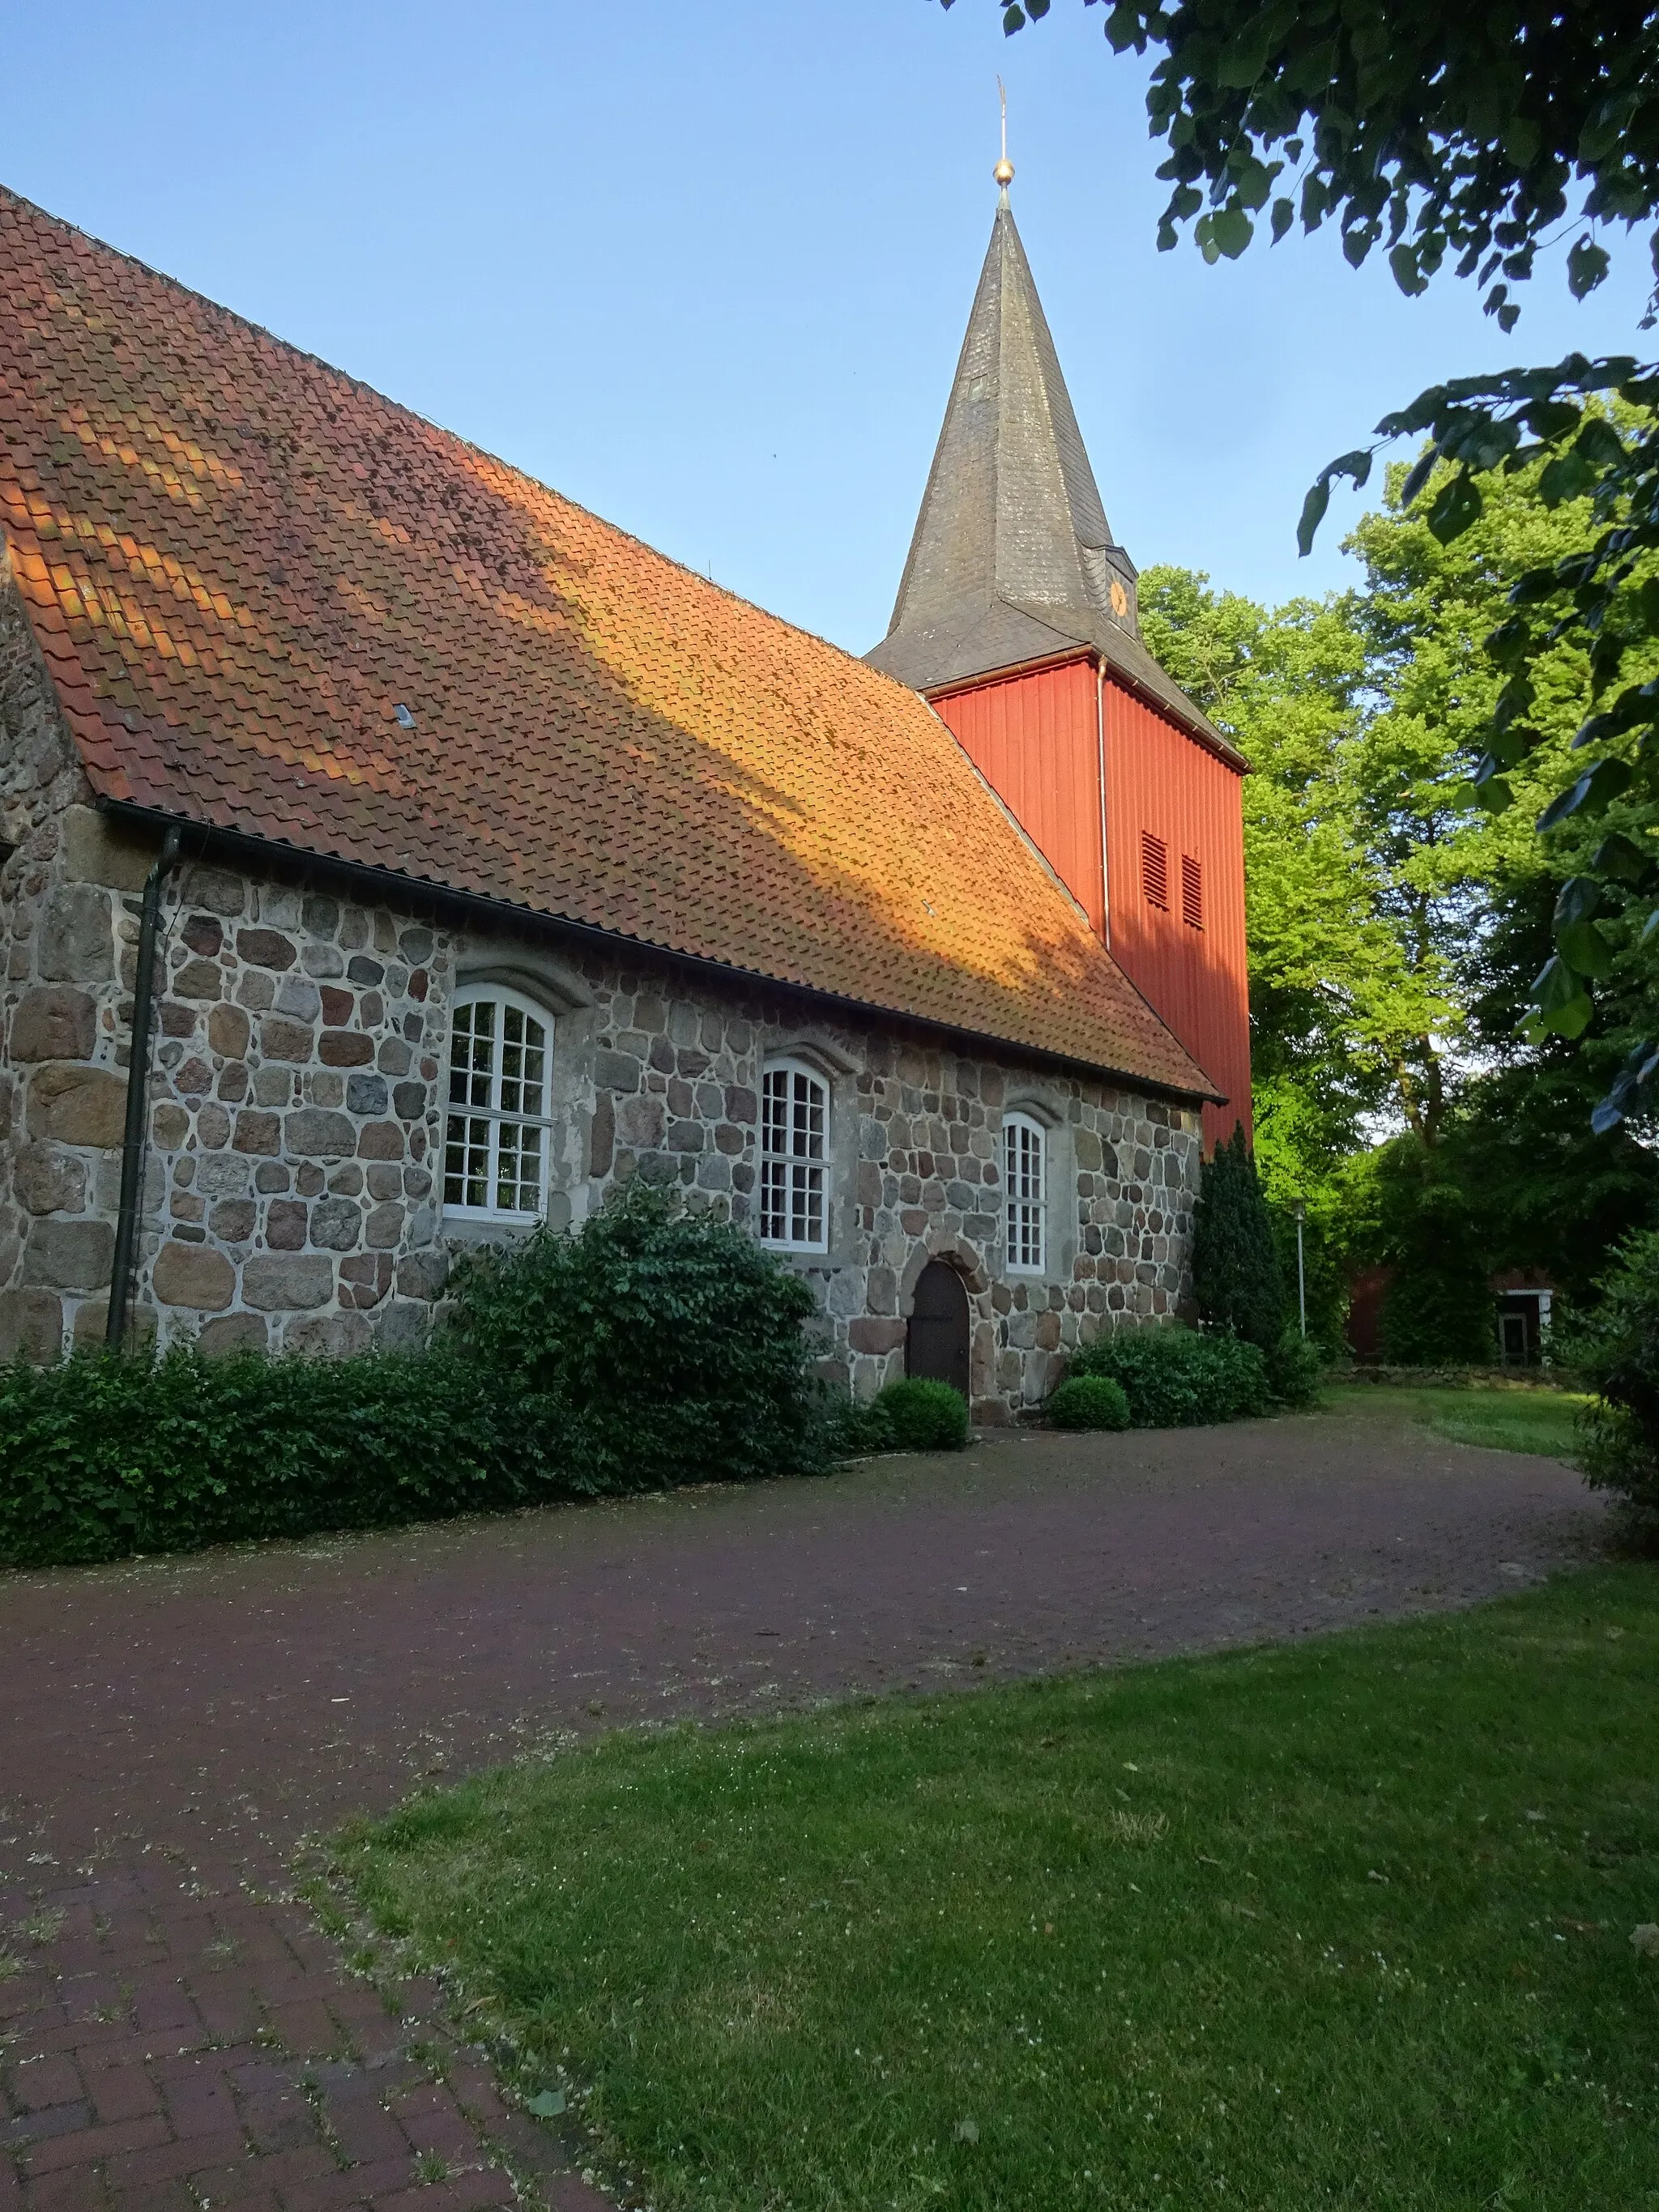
[[268, 556]]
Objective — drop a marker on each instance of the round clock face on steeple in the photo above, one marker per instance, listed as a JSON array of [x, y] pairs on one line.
[[1120, 600]]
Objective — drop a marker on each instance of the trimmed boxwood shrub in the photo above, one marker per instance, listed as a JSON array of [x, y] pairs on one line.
[[1088, 1401], [914, 1415], [924, 1416], [644, 1351], [1174, 1378]]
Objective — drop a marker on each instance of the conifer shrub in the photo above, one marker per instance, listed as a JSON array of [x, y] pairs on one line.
[[1236, 1278], [1087, 1401], [1175, 1379], [1296, 1368]]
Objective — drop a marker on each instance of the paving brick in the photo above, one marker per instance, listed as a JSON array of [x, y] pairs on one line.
[[88, 2144], [201, 2104], [39, 2082], [164, 2009], [79, 2190], [432, 2121], [358, 2185], [132, 2175], [121, 2092], [42, 2126], [568, 2192], [306, 2027], [277, 2121], [366, 2133]]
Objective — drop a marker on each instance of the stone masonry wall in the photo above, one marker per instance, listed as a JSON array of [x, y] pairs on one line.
[[292, 1195], [664, 1083]]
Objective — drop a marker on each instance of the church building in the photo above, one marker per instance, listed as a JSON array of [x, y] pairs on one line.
[[394, 856]]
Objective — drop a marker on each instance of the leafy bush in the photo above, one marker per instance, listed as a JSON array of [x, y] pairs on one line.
[[105, 1456], [655, 1348], [922, 1415], [642, 1352], [856, 1429], [1174, 1378], [1235, 1271], [1296, 1368], [1088, 1401], [1616, 1351]]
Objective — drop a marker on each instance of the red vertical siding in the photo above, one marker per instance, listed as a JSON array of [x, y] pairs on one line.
[[1036, 738], [1163, 784], [1033, 738]]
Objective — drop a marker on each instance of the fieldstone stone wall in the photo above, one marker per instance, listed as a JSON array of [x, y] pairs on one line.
[[674, 1094], [293, 1112], [293, 1181]]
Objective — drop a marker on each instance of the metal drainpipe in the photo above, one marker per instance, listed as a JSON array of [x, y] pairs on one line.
[[132, 1143]]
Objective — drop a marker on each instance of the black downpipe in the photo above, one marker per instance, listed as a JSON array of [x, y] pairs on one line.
[[132, 1143]]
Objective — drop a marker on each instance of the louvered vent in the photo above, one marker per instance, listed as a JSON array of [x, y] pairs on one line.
[[1154, 869], [1192, 892]]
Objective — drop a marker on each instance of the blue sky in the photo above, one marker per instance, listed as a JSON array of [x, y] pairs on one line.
[[705, 269]]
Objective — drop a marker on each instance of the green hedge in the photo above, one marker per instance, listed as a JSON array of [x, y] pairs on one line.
[[1174, 1378], [103, 1456], [643, 1352], [1088, 1401]]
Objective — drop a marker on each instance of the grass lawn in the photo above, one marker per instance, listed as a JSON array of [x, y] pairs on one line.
[[1508, 1420], [1340, 1923]]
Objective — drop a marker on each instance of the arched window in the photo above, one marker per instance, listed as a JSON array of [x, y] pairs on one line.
[[495, 1140], [1025, 1167], [795, 1154]]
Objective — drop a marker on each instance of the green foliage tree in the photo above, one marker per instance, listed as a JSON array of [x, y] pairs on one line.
[[1394, 922], [1235, 1271], [1617, 1351], [1437, 1309], [1471, 135]]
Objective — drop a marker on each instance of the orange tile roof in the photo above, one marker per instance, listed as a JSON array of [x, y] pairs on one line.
[[239, 561]]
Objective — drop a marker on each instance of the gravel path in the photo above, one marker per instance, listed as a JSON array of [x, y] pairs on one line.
[[176, 2030]]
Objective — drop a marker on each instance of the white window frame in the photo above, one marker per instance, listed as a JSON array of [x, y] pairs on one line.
[[492, 1116], [794, 1192], [1025, 1155]]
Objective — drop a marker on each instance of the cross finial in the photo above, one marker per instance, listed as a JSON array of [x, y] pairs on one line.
[[1004, 171]]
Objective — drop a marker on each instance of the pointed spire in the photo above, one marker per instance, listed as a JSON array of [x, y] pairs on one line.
[[1012, 558]]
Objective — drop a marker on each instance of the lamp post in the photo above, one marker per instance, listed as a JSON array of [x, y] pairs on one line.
[[1299, 1208]]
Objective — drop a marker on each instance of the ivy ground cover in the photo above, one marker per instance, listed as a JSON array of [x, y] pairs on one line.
[[1341, 1923]]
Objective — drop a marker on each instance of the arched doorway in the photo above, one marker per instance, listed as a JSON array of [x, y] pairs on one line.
[[936, 1341]]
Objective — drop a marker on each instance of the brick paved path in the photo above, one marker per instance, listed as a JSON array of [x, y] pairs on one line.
[[177, 2033]]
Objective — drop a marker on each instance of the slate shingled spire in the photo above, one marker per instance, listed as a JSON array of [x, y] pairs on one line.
[[1013, 559]]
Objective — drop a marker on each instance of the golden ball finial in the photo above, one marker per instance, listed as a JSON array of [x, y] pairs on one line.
[[1004, 172]]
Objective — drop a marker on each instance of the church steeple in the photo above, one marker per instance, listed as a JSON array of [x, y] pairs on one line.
[[1013, 560]]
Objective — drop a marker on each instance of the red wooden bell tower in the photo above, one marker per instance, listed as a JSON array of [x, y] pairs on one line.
[[1016, 617]]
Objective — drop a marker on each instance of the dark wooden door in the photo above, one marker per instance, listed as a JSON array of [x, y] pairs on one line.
[[936, 1344]]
